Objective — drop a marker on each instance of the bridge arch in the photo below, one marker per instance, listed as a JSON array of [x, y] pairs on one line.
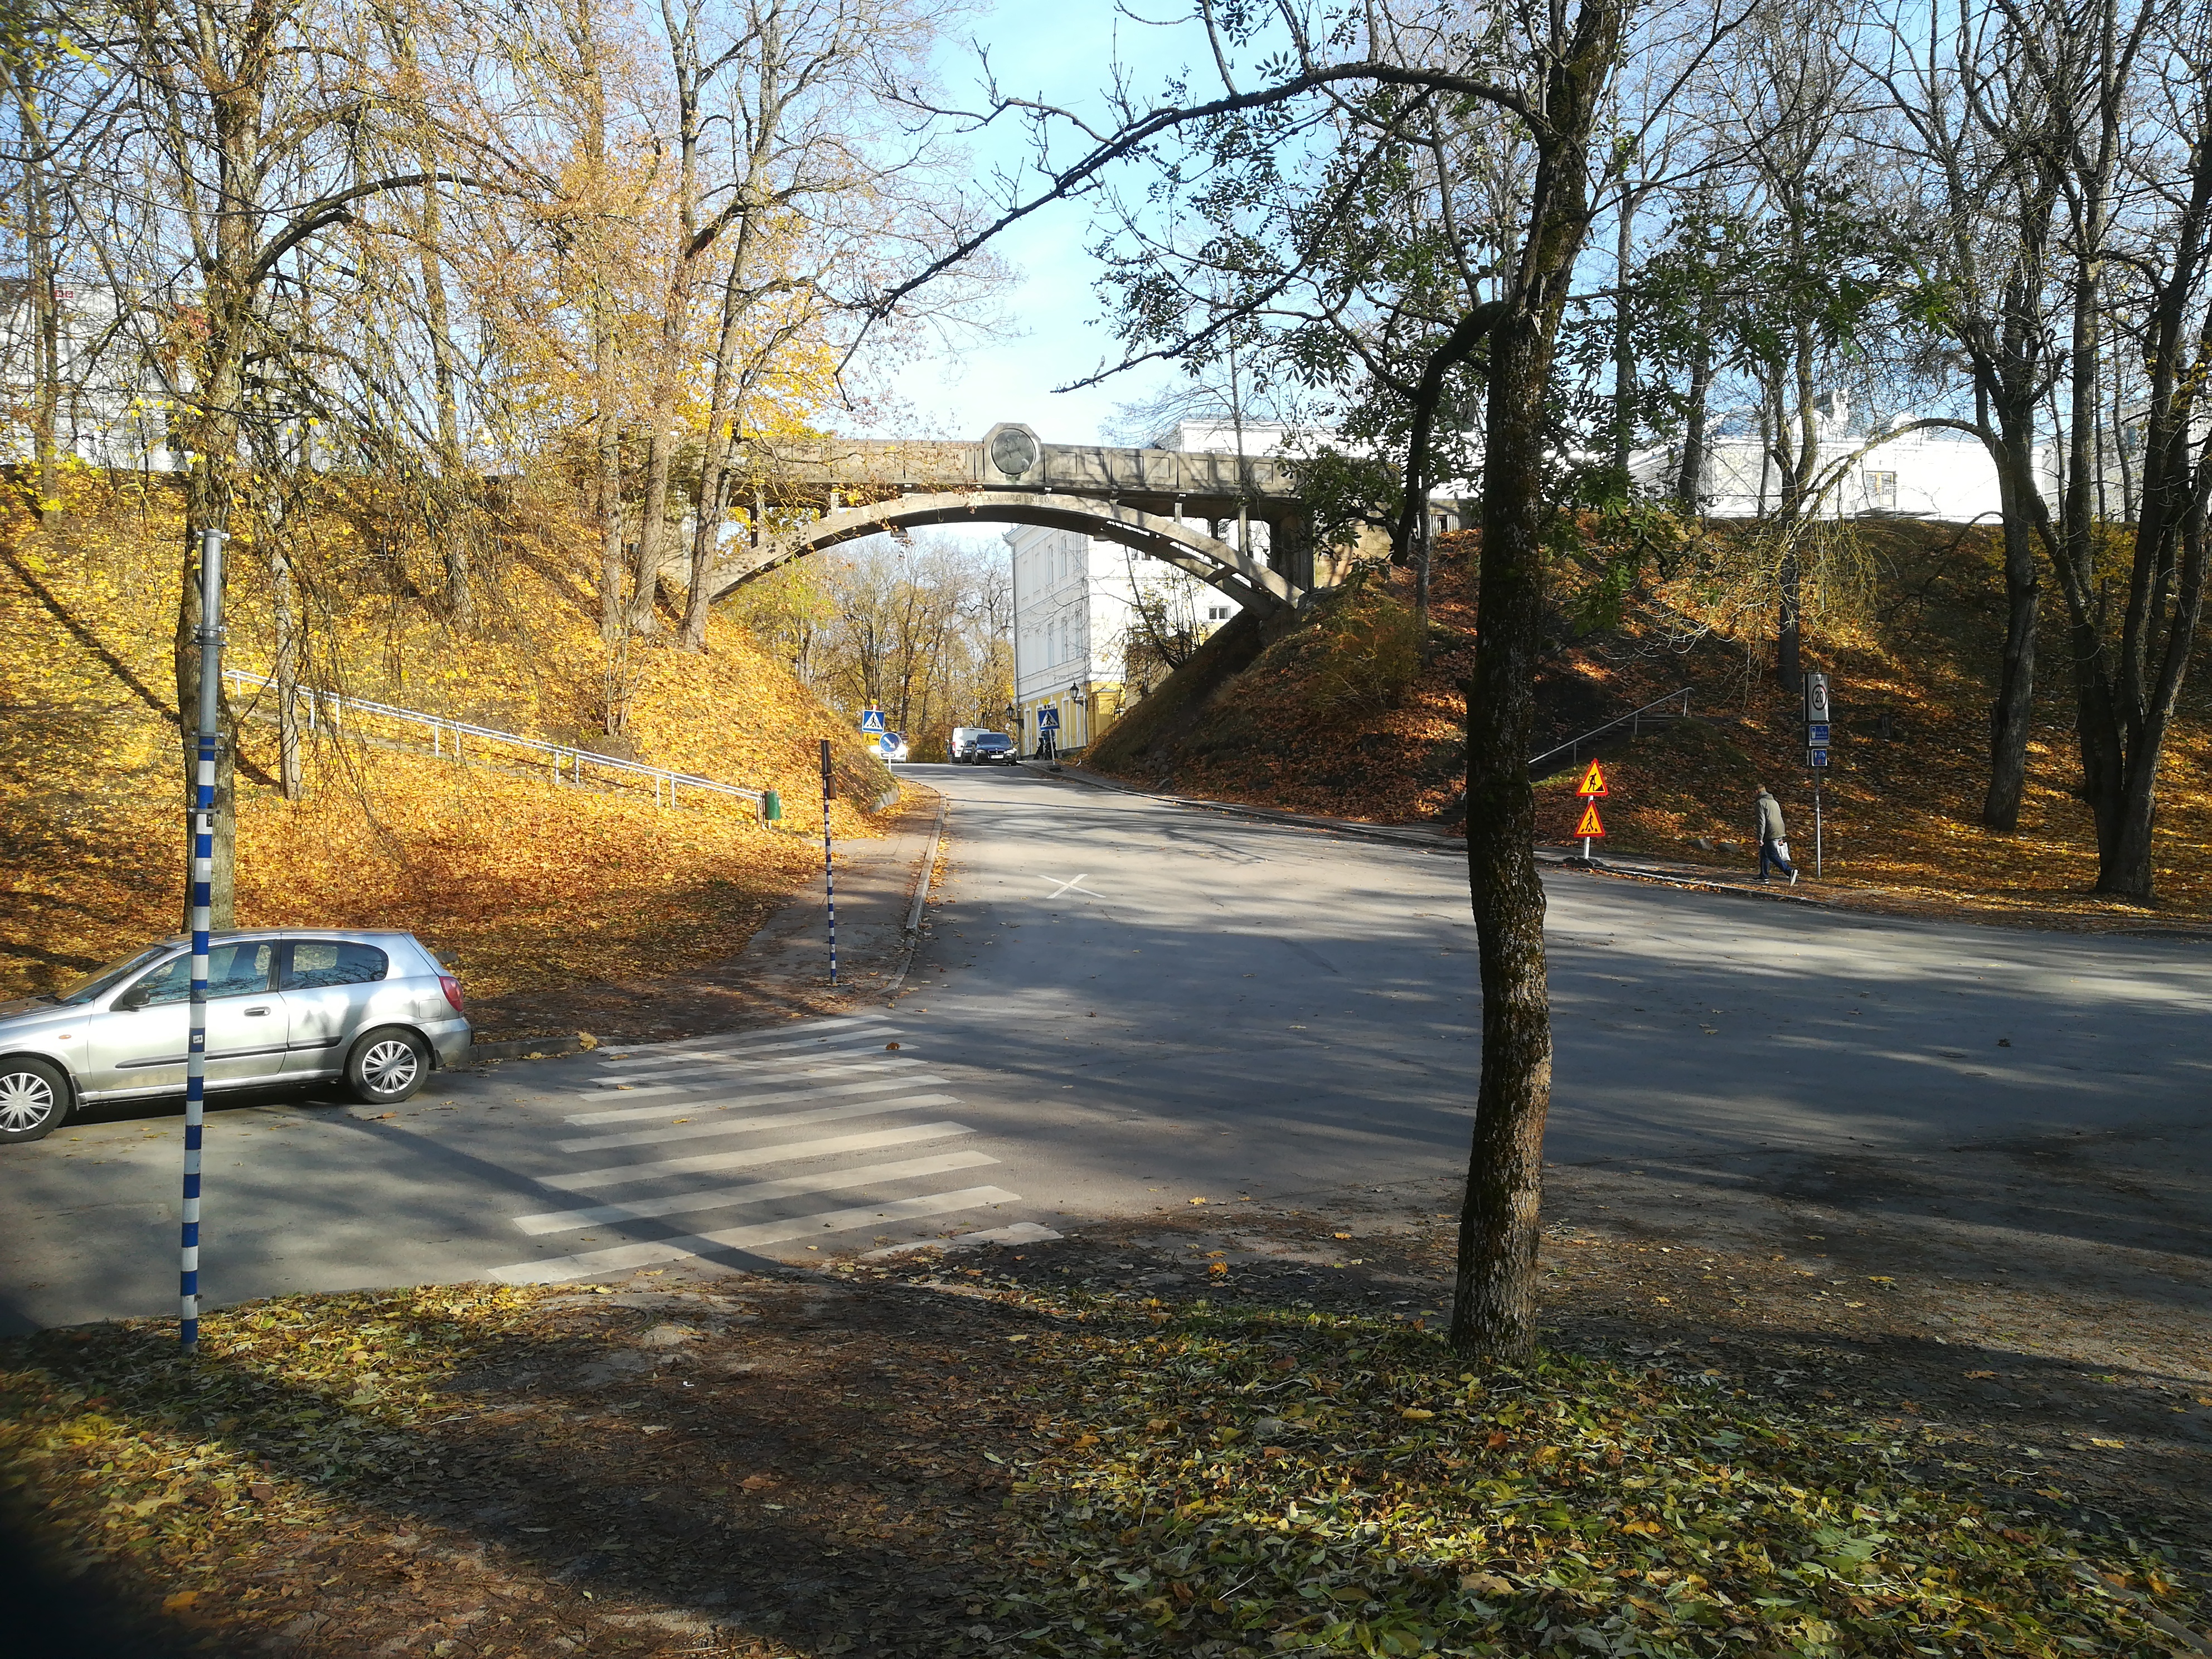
[[1251, 581]]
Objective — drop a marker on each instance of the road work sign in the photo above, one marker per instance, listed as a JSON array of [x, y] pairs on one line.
[[1591, 825], [872, 720], [1592, 786]]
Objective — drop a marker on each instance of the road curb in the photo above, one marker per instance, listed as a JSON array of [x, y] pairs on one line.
[[921, 881], [545, 1048]]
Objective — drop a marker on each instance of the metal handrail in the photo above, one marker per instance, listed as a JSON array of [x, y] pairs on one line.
[[1629, 719], [440, 726]]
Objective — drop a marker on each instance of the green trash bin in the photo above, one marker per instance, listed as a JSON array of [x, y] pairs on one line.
[[771, 807]]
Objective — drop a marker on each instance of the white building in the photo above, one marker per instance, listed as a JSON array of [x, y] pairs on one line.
[[1076, 623], [1076, 619], [1919, 475], [111, 412]]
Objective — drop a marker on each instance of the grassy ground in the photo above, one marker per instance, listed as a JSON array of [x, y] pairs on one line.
[[531, 887], [1317, 726], [1229, 1436]]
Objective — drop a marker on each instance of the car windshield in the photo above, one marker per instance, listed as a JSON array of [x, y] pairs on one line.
[[86, 989], [993, 740]]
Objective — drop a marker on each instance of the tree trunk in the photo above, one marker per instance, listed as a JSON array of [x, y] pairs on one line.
[[2013, 712], [41, 261], [714, 479], [607, 413], [652, 518], [287, 669], [1494, 1297], [1690, 480], [1624, 343], [607, 450], [1789, 662], [453, 463]]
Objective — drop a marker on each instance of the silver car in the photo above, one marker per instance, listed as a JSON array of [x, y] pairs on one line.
[[284, 1006]]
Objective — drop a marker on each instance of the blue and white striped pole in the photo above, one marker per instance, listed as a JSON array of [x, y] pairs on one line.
[[188, 1256], [828, 863]]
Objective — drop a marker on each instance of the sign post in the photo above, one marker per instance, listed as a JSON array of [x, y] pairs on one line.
[[210, 643], [1049, 734], [828, 862], [1818, 725], [1590, 788]]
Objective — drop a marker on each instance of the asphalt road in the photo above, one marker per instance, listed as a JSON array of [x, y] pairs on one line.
[[1124, 1006]]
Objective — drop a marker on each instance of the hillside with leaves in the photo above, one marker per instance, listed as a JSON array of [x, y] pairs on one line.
[[1353, 714], [528, 883]]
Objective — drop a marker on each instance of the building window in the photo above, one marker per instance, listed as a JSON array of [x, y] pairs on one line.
[[1882, 491], [1217, 613]]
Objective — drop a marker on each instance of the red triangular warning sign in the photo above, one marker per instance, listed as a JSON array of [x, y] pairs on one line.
[[1593, 782], [1589, 825]]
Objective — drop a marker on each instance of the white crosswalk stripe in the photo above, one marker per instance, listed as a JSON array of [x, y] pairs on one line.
[[825, 1060], [752, 1192], [624, 1174], [728, 1102], [714, 1088], [742, 1047], [622, 1257], [723, 1080], [722, 1129], [755, 1064]]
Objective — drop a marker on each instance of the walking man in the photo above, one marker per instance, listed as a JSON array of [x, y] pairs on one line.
[[1773, 843]]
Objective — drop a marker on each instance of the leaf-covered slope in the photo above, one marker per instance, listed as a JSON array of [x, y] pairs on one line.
[[1909, 634], [530, 884]]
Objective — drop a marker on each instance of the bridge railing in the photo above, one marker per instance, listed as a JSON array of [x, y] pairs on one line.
[[567, 761]]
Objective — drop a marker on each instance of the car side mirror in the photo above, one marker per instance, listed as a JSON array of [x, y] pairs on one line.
[[131, 1000]]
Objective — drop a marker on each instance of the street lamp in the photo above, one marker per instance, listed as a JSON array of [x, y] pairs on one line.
[[1076, 696]]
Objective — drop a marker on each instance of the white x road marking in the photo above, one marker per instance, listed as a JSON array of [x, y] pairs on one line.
[[1074, 884]]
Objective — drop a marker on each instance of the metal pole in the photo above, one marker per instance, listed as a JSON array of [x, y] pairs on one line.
[[1816, 824], [210, 639], [828, 862]]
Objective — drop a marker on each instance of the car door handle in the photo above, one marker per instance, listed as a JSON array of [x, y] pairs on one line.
[[256, 1010]]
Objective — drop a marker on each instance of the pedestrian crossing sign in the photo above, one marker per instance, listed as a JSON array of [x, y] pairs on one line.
[[1593, 784], [1590, 826], [872, 720]]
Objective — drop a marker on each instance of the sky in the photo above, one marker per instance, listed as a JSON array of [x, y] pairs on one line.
[[1052, 331]]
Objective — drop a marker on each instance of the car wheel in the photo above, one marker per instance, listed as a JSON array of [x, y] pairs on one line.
[[35, 1099], [386, 1067]]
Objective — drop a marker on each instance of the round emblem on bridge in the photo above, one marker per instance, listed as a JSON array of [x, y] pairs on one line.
[[1014, 451]]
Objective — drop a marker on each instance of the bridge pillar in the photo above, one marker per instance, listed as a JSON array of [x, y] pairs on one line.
[[1291, 551]]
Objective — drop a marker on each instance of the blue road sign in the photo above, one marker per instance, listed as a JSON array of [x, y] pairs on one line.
[[872, 720], [1816, 757], [1816, 735], [1048, 719]]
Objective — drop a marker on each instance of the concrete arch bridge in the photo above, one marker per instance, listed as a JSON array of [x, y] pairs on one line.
[[1145, 498]]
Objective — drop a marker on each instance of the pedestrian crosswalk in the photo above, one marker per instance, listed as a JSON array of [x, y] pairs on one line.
[[728, 1093]]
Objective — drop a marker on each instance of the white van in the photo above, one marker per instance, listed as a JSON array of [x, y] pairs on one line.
[[964, 738]]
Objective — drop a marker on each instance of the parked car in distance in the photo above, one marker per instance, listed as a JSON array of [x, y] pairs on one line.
[[963, 736], [284, 1006], [991, 748], [891, 747]]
